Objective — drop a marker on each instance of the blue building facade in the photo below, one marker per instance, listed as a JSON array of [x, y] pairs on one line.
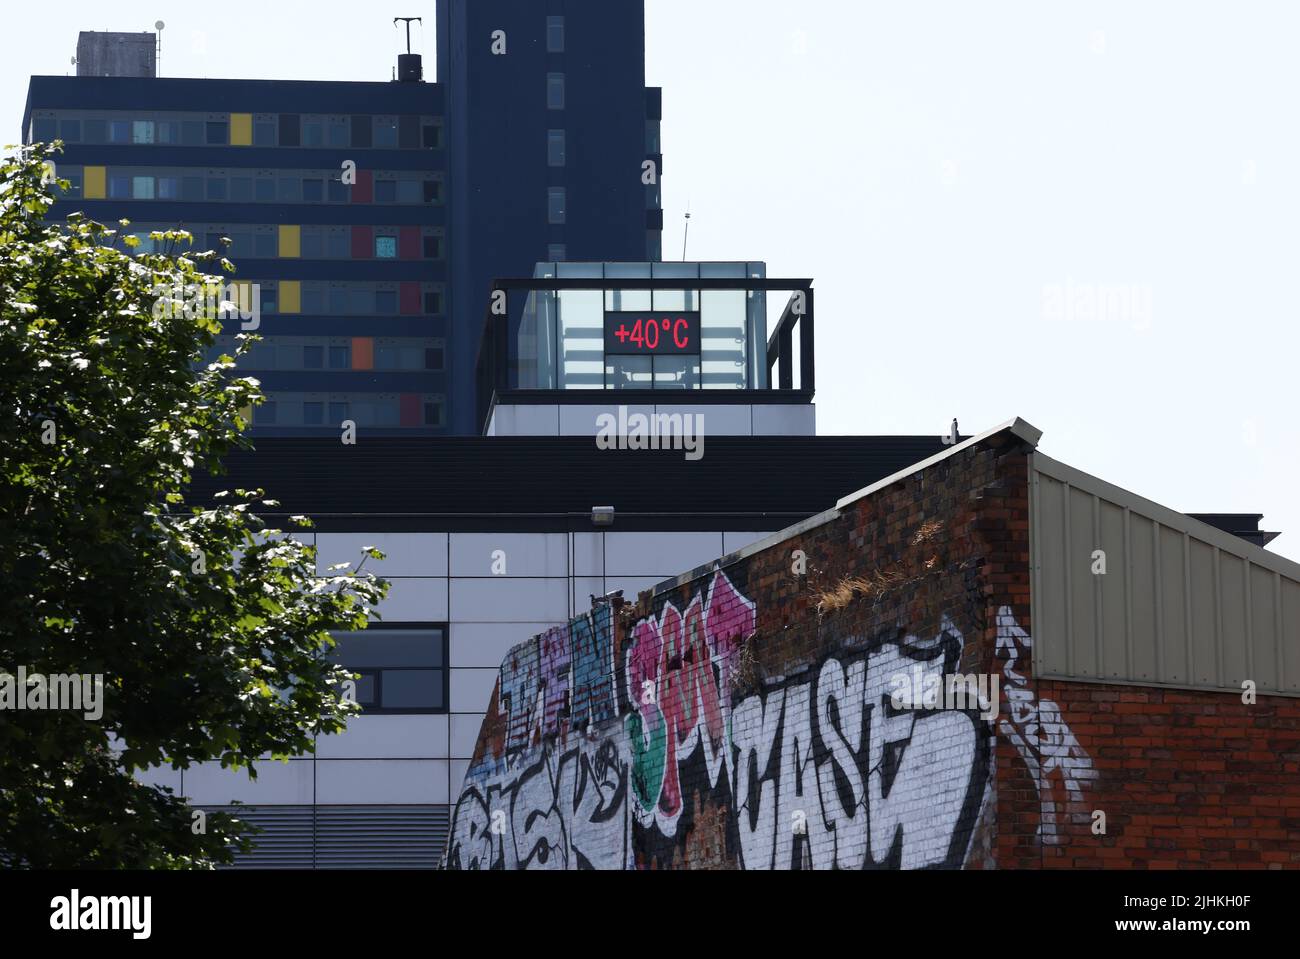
[[372, 217]]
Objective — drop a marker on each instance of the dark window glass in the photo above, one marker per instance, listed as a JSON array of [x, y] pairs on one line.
[[338, 412], [338, 191], [96, 131], [313, 191], [264, 245], [192, 188], [313, 358], [431, 136], [361, 301], [339, 360], [313, 300], [288, 189], [432, 247], [555, 91], [270, 298], [337, 132], [555, 204], [555, 34], [408, 191], [432, 414], [264, 133], [44, 130], [385, 191], [290, 132], [74, 184], [191, 133], [313, 133], [361, 127], [386, 301], [264, 189], [169, 188], [241, 189], [338, 245], [404, 689], [119, 187], [214, 242], [555, 147], [216, 188], [312, 243], [119, 131], [338, 299], [408, 132], [432, 301], [432, 191], [313, 414], [433, 357], [218, 132], [266, 413], [70, 130]]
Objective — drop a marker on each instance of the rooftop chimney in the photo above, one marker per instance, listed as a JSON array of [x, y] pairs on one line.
[[117, 54], [1244, 525]]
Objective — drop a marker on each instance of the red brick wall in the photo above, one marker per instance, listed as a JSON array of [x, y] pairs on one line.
[[743, 719]]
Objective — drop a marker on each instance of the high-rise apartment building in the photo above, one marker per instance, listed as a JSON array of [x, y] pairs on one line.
[[372, 216]]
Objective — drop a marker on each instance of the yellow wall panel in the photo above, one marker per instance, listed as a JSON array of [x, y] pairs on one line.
[[290, 296], [241, 129], [92, 183], [290, 241]]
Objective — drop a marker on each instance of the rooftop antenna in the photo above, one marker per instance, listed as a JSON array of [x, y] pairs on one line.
[[157, 70], [687, 232], [407, 21]]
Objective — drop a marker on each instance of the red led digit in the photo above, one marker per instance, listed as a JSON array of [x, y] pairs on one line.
[[652, 328], [684, 328]]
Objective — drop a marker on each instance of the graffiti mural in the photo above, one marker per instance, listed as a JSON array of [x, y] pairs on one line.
[[607, 756], [1040, 734]]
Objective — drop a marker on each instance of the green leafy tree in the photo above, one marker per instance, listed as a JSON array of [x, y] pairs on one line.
[[211, 632]]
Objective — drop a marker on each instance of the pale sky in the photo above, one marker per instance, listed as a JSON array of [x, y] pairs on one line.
[[961, 180]]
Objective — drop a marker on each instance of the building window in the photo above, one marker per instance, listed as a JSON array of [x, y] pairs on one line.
[[432, 247], [336, 131], [142, 187], [386, 302], [340, 359], [142, 131], [313, 414], [241, 188], [432, 301], [313, 190], [431, 136], [432, 191], [313, 133], [337, 190], [408, 191], [555, 91], [338, 411], [361, 131], [386, 132], [191, 133], [290, 130], [433, 357], [555, 204], [403, 668], [264, 133], [265, 414], [385, 191], [119, 131], [555, 34], [386, 247], [313, 358], [433, 414], [557, 252], [216, 188], [119, 187], [70, 130], [555, 147], [218, 133], [264, 189]]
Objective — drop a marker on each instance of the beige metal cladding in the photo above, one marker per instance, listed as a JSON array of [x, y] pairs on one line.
[[1180, 604]]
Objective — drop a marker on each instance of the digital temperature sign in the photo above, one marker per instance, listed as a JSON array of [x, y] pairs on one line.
[[653, 332]]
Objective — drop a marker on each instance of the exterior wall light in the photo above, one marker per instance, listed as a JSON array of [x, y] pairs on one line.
[[602, 516]]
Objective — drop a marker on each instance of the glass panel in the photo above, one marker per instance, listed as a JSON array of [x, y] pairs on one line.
[[412, 689]]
